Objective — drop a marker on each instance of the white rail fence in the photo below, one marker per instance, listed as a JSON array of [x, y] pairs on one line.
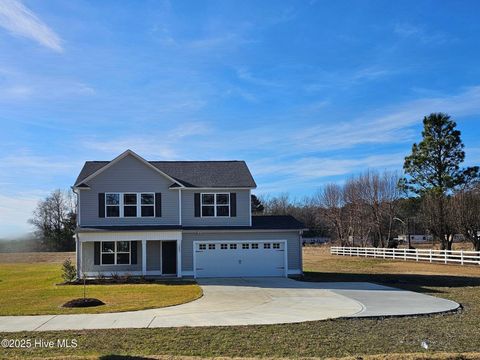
[[461, 257]]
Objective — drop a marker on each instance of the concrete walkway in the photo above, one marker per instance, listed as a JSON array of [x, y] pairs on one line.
[[251, 301]]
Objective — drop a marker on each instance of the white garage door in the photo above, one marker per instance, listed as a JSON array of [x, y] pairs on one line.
[[240, 258]]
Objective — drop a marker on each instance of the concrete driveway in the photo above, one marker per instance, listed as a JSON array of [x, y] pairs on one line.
[[251, 301]]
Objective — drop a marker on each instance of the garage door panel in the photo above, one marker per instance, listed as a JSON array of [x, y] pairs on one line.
[[236, 259]]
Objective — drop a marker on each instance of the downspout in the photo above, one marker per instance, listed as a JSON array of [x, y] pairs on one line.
[[179, 206]]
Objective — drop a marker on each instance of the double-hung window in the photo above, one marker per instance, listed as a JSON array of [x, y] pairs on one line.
[[112, 203], [129, 205], [215, 205], [147, 204], [115, 253]]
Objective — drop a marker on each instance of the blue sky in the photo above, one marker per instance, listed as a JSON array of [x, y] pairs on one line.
[[307, 92]]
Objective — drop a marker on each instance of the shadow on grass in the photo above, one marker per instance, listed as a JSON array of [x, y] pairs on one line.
[[123, 357], [419, 283]]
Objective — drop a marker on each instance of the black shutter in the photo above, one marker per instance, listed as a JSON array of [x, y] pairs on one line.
[[233, 204], [197, 204], [96, 256], [101, 205], [133, 248], [158, 204]]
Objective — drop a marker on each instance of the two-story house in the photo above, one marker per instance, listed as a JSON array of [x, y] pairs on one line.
[[178, 218]]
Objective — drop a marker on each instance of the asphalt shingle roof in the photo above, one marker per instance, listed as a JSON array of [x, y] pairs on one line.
[[273, 222], [192, 173]]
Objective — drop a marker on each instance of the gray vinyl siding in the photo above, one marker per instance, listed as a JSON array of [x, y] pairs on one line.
[[153, 255], [293, 244], [243, 209], [129, 175], [88, 256]]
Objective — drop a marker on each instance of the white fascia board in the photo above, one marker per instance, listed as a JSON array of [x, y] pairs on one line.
[[240, 230], [155, 235], [217, 188]]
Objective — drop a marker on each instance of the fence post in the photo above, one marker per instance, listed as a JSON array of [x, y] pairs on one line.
[[430, 255], [383, 252], [416, 254], [405, 254], [393, 251], [461, 257], [445, 255]]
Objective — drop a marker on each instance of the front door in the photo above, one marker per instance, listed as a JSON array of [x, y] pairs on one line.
[[169, 257]]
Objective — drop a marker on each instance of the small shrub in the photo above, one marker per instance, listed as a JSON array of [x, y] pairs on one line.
[[115, 276], [69, 272], [101, 276]]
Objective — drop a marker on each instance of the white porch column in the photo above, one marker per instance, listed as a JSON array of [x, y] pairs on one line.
[[144, 257], [79, 250], [179, 257]]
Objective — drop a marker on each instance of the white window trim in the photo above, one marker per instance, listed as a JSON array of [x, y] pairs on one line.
[[115, 252], [122, 204], [215, 205]]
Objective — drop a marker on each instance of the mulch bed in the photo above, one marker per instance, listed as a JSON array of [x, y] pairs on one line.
[[83, 302], [130, 280]]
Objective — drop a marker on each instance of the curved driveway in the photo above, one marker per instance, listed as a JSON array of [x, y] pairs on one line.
[[251, 301]]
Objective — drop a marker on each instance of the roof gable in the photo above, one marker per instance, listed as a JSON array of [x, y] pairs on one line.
[[99, 167], [186, 174]]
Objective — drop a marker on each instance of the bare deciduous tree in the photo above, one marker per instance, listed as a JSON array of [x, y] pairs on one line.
[[331, 201], [466, 215], [55, 221], [436, 206]]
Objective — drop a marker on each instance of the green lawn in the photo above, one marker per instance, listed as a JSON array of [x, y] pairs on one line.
[[449, 333], [30, 289]]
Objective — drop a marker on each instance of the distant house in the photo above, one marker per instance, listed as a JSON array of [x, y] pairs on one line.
[[422, 238], [178, 218]]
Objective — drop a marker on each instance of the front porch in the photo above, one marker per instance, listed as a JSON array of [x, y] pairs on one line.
[[135, 253]]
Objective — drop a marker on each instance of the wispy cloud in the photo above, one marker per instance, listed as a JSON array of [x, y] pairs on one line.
[[19, 20], [388, 125], [318, 167], [245, 75], [407, 30], [42, 89], [312, 172], [20, 85], [392, 125], [341, 80], [152, 147]]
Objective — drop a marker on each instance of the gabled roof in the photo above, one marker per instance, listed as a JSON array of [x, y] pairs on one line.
[[100, 169], [189, 174]]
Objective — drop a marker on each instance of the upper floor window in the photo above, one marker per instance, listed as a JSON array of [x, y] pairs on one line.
[[112, 202], [130, 204], [147, 205], [215, 205]]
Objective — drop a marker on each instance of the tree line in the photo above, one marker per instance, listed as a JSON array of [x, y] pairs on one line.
[[434, 195]]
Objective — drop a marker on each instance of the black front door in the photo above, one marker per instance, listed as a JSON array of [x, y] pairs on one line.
[[169, 257]]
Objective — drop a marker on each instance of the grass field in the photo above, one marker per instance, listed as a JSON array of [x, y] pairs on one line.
[[391, 338], [33, 287]]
